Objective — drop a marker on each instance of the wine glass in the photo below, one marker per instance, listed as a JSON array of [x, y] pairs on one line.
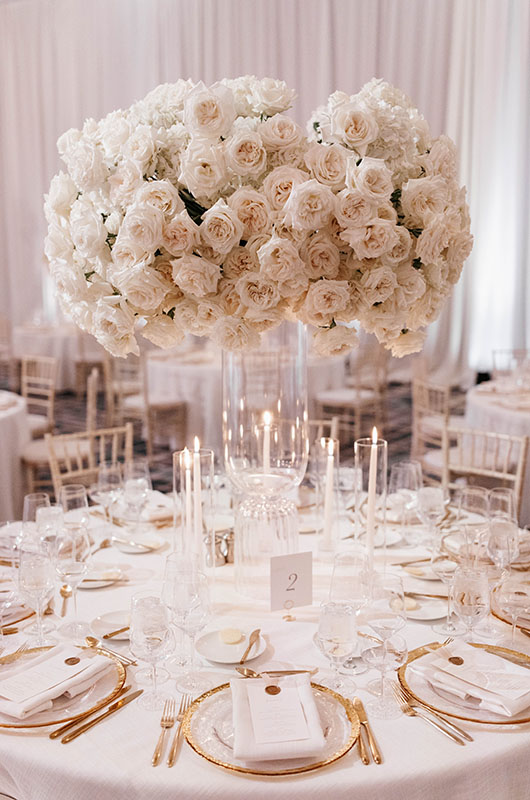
[[444, 567], [150, 639], [32, 502], [431, 508], [349, 585], [385, 609], [387, 654], [502, 542], [335, 638], [470, 597], [177, 566], [35, 585], [73, 499], [72, 561], [190, 606], [136, 488], [513, 599], [405, 482], [109, 485], [501, 503]]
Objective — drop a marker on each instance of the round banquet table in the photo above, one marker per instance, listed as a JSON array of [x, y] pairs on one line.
[[196, 379], [14, 435], [489, 409], [112, 761]]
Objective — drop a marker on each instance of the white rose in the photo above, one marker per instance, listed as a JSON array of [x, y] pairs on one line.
[[422, 199], [458, 250], [321, 256], [252, 209], [113, 222], [241, 89], [434, 239], [144, 225], [113, 132], [294, 287], [186, 313], [335, 341], [353, 124], [310, 206], [69, 280], [376, 238], [401, 249], [196, 275], [280, 132], [209, 310], [288, 157], [265, 319], [410, 281], [221, 228], [128, 251], [203, 169], [257, 291], [377, 284], [124, 183], [385, 320], [67, 142], [279, 183], [144, 288], [58, 243], [323, 300], [229, 297], [271, 96], [180, 234], [441, 159], [372, 177], [238, 261], [407, 343], [279, 259], [245, 154], [88, 232], [62, 194], [161, 195], [209, 112], [86, 166], [113, 325], [140, 148], [353, 209], [163, 331], [232, 333], [327, 164]]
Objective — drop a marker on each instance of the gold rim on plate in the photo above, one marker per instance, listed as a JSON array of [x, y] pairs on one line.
[[121, 674], [25, 615], [351, 715], [490, 648]]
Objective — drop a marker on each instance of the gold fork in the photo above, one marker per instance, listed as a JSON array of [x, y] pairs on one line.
[[409, 711], [184, 705], [166, 721], [416, 704]]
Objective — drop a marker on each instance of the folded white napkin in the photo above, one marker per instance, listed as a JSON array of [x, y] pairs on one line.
[[247, 748], [8, 537], [11, 609], [64, 679], [484, 680], [159, 507]]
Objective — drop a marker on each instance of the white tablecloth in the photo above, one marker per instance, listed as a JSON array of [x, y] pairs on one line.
[[113, 760], [493, 411], [199, 384], [14, 435]]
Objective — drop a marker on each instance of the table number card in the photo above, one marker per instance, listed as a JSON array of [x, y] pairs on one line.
[[291, 581]]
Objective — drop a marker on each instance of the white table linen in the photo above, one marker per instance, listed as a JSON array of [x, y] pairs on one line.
[[113, 760], [490, 411], [14, 435]]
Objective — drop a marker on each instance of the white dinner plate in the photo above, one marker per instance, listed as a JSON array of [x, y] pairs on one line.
[[111, 622], [428, 609], [421, 571], [135, 545], [99, 578], [211, 646], [392, 537]]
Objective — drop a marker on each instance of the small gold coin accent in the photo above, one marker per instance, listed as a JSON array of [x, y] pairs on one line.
[[456, 660], [272, 689], [71, 661]]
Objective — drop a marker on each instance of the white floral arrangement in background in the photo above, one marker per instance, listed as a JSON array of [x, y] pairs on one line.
[[206, 210]]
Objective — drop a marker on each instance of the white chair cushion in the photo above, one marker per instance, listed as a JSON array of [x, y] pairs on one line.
[[36, 452], [134, 402], [345, 397], [434, 423]]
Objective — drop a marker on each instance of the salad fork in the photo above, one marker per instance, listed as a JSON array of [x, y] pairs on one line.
[[166, 721], [184, 705], [418, 711]]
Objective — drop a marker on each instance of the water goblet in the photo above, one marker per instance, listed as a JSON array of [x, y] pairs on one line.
[[513, 598], [388, 654], [32, 502], [72, 562], [136, 488], [444, 567], [178, 565], [335, 638], [349, 585], [471, 600], [501, 503], [502, 542], [73, 499], [35, 585], [190, 606], [108, 487], [431, 508], [150, 640], [405, 482], [384, 611]]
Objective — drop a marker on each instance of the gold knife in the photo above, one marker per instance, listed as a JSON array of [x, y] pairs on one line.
[[363, 719], [115, 633], [59, 731], [365, 758], [110, 710]]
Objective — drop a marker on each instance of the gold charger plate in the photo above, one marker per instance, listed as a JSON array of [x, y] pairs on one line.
[[64, 709], [26, 614], [214, 708], [430, 698]]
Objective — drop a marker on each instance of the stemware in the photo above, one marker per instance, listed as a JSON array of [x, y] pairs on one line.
[[349, 581], [72, 561], [470, 597], [190, 606], [444, 567], [502, 542], [150, 639], [388, 654], [405, 482], [177, 565], [35, 585], [501, 503], [32, 502], [431, 508], [109, 485], [513, 599], [335, 638], [136, 488], [73, 499], [385, 609]]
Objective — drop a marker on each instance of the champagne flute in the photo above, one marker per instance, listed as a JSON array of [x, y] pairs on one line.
[[150, 640], [349, 581], [136, 487], [177, 566], [470, 597], [36, 584], [388, 654], [335, 638], [72, 561], [190, 606], [444, 567]]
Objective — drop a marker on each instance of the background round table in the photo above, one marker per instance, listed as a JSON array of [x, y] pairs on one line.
[[14, 435], [490, 410]]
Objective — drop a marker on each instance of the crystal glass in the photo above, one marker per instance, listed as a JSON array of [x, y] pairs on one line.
[[72, 562], [388, 654], [36, 584], [349, 584], [501, 503], [32, 502], [73, 499], [265, 448], [150, 640], [503, 542], [178, 565], [384, 611], [513, 599], [470, 597], [370, 520], [431, 508], [405, 482], [193, 484], [109, 485], [335, 638], [136, 488], [190, 606], [444, 567], [325, 458]]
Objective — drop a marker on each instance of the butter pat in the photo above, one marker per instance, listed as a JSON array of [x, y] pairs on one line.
[[230, 635]]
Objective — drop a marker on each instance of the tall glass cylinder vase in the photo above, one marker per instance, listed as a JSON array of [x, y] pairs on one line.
[[370, 493], [265, 448], [193, 485]]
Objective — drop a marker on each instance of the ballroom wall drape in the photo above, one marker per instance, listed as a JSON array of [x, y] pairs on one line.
[[465, 63]]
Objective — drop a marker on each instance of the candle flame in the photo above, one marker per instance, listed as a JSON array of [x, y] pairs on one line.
[[196, 444], [187, 459], [267, 417], [374, 435]]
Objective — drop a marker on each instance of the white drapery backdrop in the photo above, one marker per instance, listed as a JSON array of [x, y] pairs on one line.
[[465, 64]]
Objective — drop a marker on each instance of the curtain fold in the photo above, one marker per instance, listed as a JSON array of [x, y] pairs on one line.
[[465, 64]]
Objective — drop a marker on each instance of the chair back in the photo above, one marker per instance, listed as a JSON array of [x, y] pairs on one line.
[[317, 428], [37, 385], [92, 399]]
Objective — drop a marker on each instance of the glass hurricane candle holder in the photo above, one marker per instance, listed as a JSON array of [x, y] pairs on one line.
[[370, 495], [193, 483]]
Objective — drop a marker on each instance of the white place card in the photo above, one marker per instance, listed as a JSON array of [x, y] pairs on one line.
[[291, 581], [276, 717]]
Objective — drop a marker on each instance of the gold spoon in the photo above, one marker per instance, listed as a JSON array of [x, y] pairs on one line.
[[102, 545], [93, 642], [252, 639], [65, 591], [246, 672]]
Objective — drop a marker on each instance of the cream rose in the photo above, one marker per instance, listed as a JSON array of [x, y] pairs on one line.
[[257, 291], [372, 177], [335, 341], [422, 199], [279, 183], [221, 228], [124, 183], [321, 256], [209, 111], [161, 195], [62, 194], [113, 326], [310, 206], [238, 261], [252, 209], [458, 250], [410, 281], [144, 225], [279, 259], [441, 159], [401, 249], [280, 132], [377, 284], [209, 310], [196, 275], [354, 124], [163, 331], [140, 147], [245, 153], [406, 343], [377, 237], [86, 166], [127, 252], [433, 240], [58, 243], [144, 288], [232, 333], [353, 209], [203, 169], [88, 232], [264, 319], [180, 234], [113, 132], [229, 297], [327, 164], [324, 299], [270, 96]]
